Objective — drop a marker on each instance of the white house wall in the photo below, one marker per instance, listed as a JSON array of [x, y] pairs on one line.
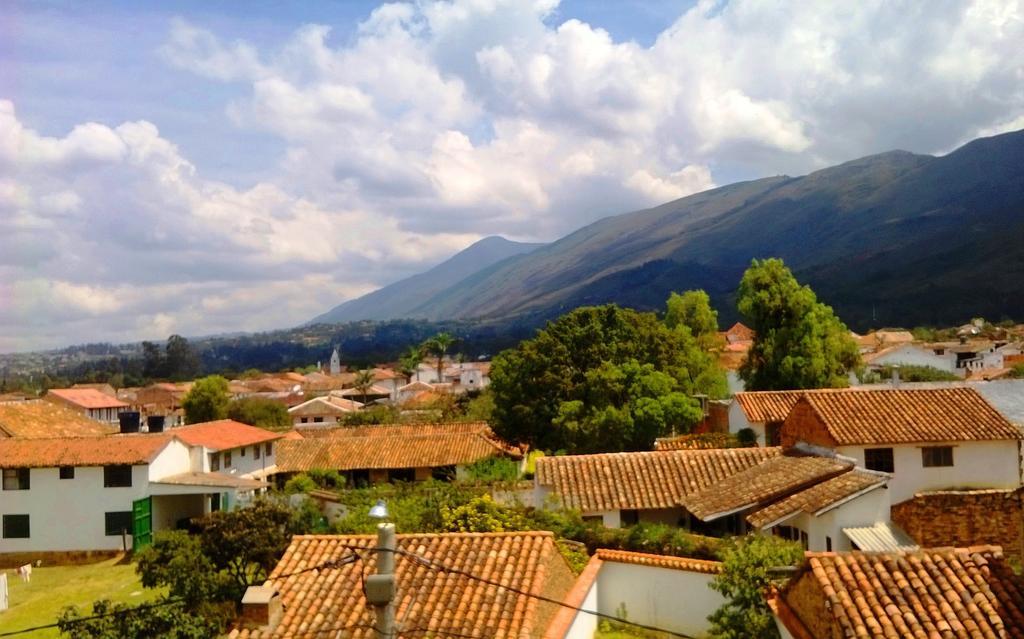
[[68, 514], [916, 356], [738, 421], [677, 600], [867, 509], [583, 625], [975, 465], [174, 459]]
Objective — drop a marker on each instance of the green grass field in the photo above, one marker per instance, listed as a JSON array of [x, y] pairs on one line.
[[40, 602]]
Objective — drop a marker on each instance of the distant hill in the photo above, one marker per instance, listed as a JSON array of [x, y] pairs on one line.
[[404, 298], [890, 239]]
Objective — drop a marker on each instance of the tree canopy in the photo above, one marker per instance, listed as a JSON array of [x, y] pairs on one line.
[[207, 400], [693, 310], [746, 575], [261, 412], [799, 342], [601, 379]]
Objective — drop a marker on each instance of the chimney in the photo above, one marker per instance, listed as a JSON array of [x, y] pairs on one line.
[[895, 376], [129, 421], [155, 423], [261, 607]]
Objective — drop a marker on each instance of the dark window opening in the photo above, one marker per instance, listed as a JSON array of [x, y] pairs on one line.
[[115, 522], [16, 527], [67, 472], [443, 473], [879, 459], [117, 476], [628, 517], [402, 474], [937, 456]]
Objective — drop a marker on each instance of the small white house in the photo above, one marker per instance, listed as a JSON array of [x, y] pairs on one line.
[[927, 439], [232, 448], [329, 409], [672, 593], [105, 492]]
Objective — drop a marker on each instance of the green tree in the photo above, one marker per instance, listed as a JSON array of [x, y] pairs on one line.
[[411, 360], [261, 412], [601, 379], [693, 310], [747, 567], [161, 619], [438, 346], [481, 514], [180, 360], [152, 361], [363, 382], [207, 400], [799, 342]]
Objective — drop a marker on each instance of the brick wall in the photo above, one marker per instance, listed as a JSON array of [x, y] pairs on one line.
[[965, 518], [807, 600], [803, 425]]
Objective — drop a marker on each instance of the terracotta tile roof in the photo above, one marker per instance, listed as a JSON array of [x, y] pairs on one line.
[[135, 449], [375, 389], [321, 602], [761, 407], [942, 592], [909, 416], [644, 480], [390, 446], [86, 398], [660, 561], [818, 497], [697, 441], [328, 405], [37, 418], [223, 434], [762, 484]]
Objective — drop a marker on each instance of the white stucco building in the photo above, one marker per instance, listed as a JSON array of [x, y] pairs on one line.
[[88, 401], [100, 492], [927, 439]]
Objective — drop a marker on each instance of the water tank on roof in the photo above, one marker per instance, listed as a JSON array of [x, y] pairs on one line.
[[155, 423], [129, 421]]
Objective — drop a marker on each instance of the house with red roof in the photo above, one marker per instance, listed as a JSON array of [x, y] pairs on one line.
[[112, 492], [90, 402]]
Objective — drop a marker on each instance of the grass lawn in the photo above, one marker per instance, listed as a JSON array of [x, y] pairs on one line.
[[39, 602]]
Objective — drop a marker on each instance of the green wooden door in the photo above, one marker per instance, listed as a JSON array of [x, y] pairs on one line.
[[142, 523]]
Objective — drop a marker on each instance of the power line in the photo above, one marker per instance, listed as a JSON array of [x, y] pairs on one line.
[[457, 571], [333, 563]]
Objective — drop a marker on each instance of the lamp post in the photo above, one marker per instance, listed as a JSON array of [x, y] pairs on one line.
[[380, 587]]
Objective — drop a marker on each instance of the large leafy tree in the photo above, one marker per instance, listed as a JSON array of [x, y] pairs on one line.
[[207, 400], [261, 412], [601, 379], [747, 574], [693, 310], [800, 343]]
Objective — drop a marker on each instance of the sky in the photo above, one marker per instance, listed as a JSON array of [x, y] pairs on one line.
[[207, 167]]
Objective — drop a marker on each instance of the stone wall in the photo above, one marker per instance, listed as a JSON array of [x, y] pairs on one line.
[[965, 518]]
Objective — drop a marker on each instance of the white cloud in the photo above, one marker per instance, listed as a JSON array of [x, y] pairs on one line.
[[435, 123]]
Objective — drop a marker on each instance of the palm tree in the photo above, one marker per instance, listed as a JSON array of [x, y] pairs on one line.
[[438, 345], [363, 382], [411, 360]]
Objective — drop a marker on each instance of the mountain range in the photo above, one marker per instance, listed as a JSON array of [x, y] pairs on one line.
[[891, 239]]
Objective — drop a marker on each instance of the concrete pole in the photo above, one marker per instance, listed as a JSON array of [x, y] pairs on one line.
[[386, 566]]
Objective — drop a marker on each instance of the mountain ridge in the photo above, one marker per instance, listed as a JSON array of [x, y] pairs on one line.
[[401, 298], [894, 238]]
